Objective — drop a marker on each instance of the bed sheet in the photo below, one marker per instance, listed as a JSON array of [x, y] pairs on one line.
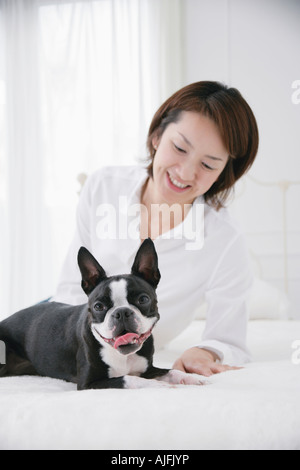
[[256, 407]]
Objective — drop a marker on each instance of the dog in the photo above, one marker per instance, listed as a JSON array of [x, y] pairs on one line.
[[106, 343]]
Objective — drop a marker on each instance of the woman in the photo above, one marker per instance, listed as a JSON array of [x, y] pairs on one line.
[[201, 141]]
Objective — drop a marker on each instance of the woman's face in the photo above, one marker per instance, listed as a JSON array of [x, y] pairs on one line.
[[190, 156]]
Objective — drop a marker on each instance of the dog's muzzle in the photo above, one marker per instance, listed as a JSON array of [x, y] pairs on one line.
[[126, 330], [126, 339]]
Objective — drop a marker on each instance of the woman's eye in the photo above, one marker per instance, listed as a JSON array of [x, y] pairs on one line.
[[207, 167], [179, 149], [99, 307], [143, 299]]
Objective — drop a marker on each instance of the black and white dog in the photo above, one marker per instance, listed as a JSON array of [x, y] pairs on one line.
[[106, 343]]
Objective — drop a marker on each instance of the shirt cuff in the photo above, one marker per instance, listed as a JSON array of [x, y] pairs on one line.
[[229, 355]]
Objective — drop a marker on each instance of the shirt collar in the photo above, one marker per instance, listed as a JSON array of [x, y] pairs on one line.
[[191, 230]]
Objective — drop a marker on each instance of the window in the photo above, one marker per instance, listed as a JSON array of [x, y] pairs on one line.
[[79, 82]]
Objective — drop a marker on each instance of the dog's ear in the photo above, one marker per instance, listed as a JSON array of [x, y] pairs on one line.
[[91, 271], [145, 264]]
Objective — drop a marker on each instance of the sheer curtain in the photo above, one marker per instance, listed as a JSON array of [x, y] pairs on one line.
[[79, 82]]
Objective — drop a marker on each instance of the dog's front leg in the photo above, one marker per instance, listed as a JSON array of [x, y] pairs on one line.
[[173, 376], [116, 382], [126, 382]]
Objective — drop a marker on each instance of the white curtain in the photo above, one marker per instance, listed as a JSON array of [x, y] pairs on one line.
[[79, 82]]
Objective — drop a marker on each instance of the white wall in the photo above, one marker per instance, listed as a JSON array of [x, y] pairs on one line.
[[254, 45]]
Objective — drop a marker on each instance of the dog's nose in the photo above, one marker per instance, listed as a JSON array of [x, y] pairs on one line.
[[122, 313]]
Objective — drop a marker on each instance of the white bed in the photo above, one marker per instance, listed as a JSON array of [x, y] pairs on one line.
[[257, 407]]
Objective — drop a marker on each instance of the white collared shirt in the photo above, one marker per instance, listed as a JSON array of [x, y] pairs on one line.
[[215, 270]]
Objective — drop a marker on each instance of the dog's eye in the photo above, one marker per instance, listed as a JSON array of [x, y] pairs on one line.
[[143, 299], [99, 307]]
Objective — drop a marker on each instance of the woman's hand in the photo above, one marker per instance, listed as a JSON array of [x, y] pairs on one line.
[[200, 361]]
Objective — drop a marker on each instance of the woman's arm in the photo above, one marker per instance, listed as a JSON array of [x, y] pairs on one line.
[[223, 346], [69, 287]]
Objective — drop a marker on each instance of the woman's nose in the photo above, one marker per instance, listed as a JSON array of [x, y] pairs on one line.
[[187, 171]]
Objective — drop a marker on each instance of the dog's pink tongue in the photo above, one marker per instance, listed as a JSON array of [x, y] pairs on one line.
[[125, 339]]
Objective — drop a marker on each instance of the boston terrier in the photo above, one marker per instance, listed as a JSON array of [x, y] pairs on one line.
[[106, 343]]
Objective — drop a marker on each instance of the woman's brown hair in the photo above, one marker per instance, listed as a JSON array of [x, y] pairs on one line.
[[234, 119]]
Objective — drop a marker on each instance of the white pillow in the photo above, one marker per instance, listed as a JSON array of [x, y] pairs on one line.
[[266, 302]]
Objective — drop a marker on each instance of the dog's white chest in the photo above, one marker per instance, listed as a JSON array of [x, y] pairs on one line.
[[120, 365]]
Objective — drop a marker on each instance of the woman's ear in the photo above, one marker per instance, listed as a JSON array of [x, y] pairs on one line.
[[155, 141]]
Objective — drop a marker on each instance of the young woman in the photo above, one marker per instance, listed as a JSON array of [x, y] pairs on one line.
[[200, 141]]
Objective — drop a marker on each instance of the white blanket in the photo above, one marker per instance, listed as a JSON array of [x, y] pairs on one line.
[[257, 407]]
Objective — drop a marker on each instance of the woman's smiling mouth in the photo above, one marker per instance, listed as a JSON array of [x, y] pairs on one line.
[[176, 185]]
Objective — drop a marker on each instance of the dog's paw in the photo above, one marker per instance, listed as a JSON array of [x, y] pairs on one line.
[[139, 382], [178, 377], [171, 379]]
